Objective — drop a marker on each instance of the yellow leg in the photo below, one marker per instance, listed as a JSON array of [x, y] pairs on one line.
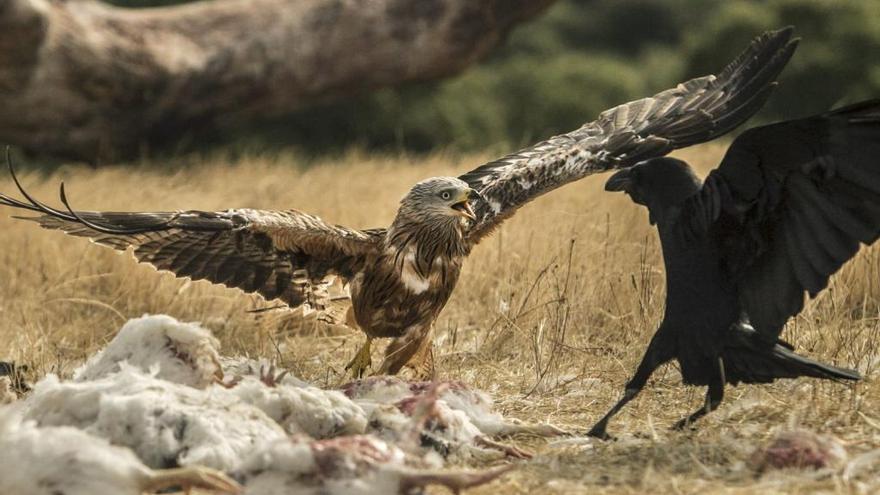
[[405, 349], [422, 363], [361, 361]]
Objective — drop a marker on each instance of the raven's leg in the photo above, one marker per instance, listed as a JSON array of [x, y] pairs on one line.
[[714, 396], [659, 351], [599, 429]]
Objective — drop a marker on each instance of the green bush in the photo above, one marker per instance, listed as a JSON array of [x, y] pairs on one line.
[[834, 62]]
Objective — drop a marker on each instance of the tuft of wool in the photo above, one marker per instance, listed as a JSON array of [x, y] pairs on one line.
[[183, 353], [310, 410], [425, 423], [447, 432], [346, 465], [49, 461], [464, 409], [164, 423], [64, 460]]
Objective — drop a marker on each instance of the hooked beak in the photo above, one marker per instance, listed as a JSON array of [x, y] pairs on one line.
[[620, 181], [463, 207]]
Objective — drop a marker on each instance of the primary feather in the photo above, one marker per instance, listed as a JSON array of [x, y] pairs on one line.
[[695, 111], [277, 254]]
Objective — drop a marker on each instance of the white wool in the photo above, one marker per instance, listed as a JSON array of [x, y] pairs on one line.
[[359, 465], [390, 424], [456, 426], [163, 422], [63, 460], [447, 432], [352, 465], [266, 471], [478, 406], [310, 410], [373, 391], [184, 353], [475, 404]]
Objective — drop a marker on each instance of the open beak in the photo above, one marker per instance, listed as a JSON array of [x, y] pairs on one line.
[[463, 207], [621, 181]]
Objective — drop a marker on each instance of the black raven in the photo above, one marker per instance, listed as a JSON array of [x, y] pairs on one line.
[[789, 204]]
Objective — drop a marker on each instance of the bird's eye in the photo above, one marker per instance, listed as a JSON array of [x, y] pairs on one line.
[[446, 195]]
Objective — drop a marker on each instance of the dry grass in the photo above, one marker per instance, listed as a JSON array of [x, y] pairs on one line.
[[551, 315]]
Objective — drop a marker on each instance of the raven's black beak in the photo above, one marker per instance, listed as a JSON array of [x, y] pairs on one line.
[[620, 181]]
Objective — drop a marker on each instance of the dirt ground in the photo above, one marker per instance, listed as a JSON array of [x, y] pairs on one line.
[[551, 316]]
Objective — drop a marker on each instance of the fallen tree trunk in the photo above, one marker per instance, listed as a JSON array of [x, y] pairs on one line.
[[84, 80]]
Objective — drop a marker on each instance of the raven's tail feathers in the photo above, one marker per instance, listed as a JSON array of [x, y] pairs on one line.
[[765, 365]]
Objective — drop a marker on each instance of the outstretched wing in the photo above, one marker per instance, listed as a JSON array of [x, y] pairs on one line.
[[279, 254], [695, 111], [790, 204]]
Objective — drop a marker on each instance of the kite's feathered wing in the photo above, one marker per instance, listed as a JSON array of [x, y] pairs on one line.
[[693, 112], [282, 255]]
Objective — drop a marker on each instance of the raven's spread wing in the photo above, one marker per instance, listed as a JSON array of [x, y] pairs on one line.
[[279, 254], [790, 204], [695, 111]]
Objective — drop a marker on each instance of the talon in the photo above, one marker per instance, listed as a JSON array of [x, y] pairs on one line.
[[361, 361]]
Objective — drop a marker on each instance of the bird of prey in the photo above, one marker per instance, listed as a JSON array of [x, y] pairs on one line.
[[789, 204], [400, 277]]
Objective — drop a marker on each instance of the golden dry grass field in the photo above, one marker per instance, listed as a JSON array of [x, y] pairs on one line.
[[551, 316]]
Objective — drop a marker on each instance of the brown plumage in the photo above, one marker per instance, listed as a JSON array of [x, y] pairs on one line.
[[401, 277]]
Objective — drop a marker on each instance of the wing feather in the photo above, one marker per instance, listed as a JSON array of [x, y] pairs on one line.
[[694, 111], [797, 199], [288, 255]]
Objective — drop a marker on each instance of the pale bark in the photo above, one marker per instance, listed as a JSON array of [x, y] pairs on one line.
[[85, 80]]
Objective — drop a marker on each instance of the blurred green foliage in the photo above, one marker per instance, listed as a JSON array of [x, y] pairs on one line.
[[583, 56]]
